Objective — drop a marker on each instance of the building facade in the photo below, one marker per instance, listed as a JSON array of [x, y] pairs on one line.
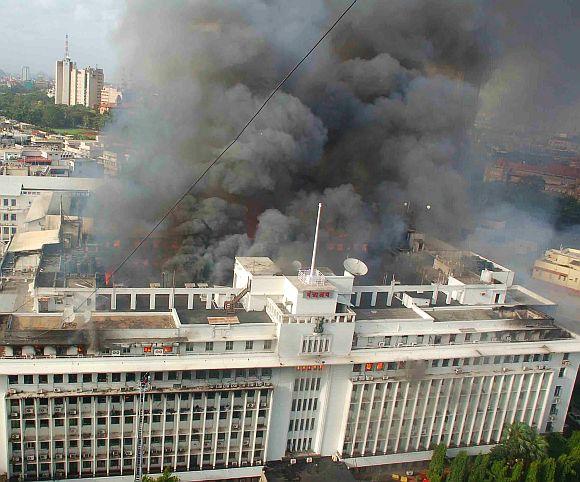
[[275, 367], [560, 267]]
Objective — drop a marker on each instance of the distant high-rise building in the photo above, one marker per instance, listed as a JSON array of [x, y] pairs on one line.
[[65, 78], [89, 83], [77, 86], [25, 76]]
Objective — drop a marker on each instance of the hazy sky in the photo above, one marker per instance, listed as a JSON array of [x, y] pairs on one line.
[[32, 33]]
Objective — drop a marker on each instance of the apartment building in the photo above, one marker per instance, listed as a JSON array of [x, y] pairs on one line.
[[17, 194], [560, 267], [213, 382]]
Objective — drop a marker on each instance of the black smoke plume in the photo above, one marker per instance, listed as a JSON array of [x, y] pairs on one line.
[[375, 118]]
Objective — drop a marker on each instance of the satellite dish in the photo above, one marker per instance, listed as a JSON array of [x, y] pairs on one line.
[[297, 265], [356, 267]]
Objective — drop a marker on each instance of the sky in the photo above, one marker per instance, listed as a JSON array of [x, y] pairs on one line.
[[33, 34], [536, 80]]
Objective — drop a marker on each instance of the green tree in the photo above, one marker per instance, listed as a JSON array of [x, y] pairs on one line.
[[498, 471], [520, 442], [437, 464], [533, 473], [548, 470], [459, 468], [166, 476], [517, 472], [479, 468]]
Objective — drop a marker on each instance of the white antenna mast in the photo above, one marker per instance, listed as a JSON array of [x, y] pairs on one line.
[[311, 275]]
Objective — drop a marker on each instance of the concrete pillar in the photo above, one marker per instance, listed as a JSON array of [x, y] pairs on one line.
[[190, 301], [374, 298], [171, 299], [152, 301], [208, 301], [435, 294], [448, 298], [133, 301], [113, 301], [357, 300]]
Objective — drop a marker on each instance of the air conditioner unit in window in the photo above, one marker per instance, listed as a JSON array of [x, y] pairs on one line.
[[235, 425], [257, 462], [116, 352], [58, 456], [115, 453], [251, 405], [29, 411], [30, 458], [308, 460], [381, 344], [43, 457], [235, 463], [556, 399], [14, 414], [15, 458], [72, 412], [565, 362], [293, 461], [128, 453], [158, 351]]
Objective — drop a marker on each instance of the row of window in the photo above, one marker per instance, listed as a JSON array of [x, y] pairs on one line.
[[459, 362], [229, 345], [6, 202], [132, 377], [494, 336], [301, 424], [304, 404], [8, 217], [306, 384]]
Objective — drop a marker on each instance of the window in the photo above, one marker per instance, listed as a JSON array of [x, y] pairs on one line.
[[13, 217], [12, 379], [483, 337], [72, 378], [28, 379], [561, 372], [87, 377], [209, 346], [5, 201], [249, 345], [557, 391], [42, 378], [229, 345], [452, 338], [116, 377], [58, 378], [566, 356], [101, 377], [130, 377], [189, 346], [467, 337], [267, 344], [420, 339], [13, 202]]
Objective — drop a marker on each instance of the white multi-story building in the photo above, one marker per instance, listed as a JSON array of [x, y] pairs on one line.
[[17, 194], [275, 367]]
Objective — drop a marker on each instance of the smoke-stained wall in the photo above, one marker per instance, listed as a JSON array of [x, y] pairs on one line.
[[376, 117]]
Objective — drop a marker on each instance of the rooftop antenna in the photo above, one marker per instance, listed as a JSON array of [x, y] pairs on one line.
[[66, 54], [311, 274]]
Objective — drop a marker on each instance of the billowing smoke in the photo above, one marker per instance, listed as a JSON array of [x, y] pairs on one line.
[[375, 118]]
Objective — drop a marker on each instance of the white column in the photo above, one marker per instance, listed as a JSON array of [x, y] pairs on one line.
[[434, 412], [380, 419], [494, 413], [521, 377], [424, 412], [455, 406], [357, 417], [390, 419], [412, 423], [133, 301], [152, 301], [190, 301], [474, 411], [374, 298], [464, 411], [485, 409], [536, 396], [368, 421]]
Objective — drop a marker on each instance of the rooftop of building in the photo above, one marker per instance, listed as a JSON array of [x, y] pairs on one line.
[[200, 316]]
